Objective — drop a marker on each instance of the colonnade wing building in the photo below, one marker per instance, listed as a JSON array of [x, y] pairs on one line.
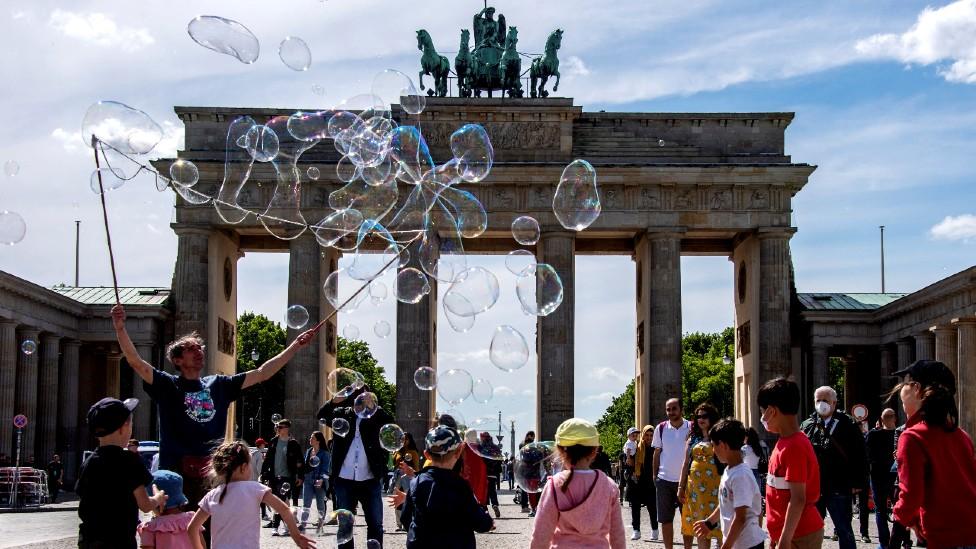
[[671, 184]]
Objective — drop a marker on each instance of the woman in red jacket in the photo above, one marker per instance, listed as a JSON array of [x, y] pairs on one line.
[[936, 462]]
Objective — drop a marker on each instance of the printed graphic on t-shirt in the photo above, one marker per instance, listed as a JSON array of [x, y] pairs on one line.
[[200, 406]]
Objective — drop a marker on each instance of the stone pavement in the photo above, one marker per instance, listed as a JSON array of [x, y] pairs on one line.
[[57, 530]]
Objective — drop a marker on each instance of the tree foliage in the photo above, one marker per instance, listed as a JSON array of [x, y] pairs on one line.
[[705, 378], [356, 355]]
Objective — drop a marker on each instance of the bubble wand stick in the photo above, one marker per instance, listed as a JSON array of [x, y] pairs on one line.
[[108, 235]]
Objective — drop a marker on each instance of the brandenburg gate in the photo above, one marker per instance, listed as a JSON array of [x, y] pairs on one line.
[[671, 184]]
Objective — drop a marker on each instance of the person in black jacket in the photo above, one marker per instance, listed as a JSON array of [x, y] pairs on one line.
[[281, 471], [358, 460], [491, 455], [881, 456], [839, 445], [440, 509]]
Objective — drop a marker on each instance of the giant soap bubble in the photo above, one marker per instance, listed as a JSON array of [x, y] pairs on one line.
[[13, 228], [224, 36], [577, 199], [455, 385], [541, 294], [124, 128], [533, 462], [508, 350]]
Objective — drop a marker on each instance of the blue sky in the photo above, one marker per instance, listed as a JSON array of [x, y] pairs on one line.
[[883, 95]]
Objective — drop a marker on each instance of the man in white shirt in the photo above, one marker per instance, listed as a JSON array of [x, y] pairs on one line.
[[358, 461], [669, 453]]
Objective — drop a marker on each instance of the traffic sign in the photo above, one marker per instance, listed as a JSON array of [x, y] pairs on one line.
[[20, 421], [860, 412]]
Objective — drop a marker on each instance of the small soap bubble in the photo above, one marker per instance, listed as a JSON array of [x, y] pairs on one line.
[[314, 461], [372, 543], [345, 522], [343, 382], [313, 173], [365, 405], [340, 426], [391, 437], [350, 332], [296, 317], [460, 324], [184, 172], [525, 230], [318, 89], [11, 168], [378, 291], [425, 378], [294, 53], [577, 199], [382, 329], [13, 228], [323, 423], [262, 143], [474, 291], [455, 385], [285, 489], [542, 293], [225, 36], [392, 86], [520, 262], [473, 151], [508, 350], [275, 418], [28, 347], [411, 285], [482, 391], [660, 143], [106, 179]]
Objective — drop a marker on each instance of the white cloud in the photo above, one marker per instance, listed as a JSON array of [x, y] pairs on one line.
[[606, 396], [171, 141], [606, 372], [528, 392], [939, 34], [503, 391], [959, 227], [99, 29], [70, 141], [575, 66]]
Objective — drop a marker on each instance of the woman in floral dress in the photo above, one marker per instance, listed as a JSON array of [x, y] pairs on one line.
[[698, 489]]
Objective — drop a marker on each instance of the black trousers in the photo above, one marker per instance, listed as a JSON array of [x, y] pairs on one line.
[[276, 488], [640, 496], [493, 491]]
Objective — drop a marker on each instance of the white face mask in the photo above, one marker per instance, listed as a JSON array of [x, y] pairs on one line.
[[765, 424], [823, 407]]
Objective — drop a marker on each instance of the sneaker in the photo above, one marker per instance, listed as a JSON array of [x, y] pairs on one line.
[[525, 509], [269, 525], [636, 535], [498, 512], [865, 539], [654, 535], [532, 513]]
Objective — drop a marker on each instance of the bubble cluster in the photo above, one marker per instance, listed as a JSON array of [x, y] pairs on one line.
[[225, 36], [296, 317]]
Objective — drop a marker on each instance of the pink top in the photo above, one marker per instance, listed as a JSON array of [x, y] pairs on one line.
[[585, 516], [235, 522], [166, 532]]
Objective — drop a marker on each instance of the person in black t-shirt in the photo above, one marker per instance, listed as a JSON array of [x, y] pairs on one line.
[[112, 482], [54, 473], [881, 456]]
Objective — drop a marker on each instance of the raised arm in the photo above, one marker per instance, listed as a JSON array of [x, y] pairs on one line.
[[271, 367], [136, 362]]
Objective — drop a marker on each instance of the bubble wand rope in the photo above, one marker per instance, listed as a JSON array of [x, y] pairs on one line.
[[108, 235]]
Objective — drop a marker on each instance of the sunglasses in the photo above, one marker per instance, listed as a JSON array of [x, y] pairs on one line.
[[703, 417]]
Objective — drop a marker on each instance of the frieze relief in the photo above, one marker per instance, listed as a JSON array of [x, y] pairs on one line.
[[504, 135], [720, 200]]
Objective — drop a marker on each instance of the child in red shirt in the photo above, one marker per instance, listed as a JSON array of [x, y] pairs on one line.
[[793, 483]]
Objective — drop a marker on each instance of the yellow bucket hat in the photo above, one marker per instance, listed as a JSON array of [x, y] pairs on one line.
[[577, 431]]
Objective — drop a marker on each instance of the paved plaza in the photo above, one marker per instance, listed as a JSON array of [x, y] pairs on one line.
[[58, 530]]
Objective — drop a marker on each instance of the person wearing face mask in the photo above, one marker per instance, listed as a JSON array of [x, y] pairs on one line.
[[936, 461], [839, 446]]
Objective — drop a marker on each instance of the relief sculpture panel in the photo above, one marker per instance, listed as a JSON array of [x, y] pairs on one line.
[[504, 135]]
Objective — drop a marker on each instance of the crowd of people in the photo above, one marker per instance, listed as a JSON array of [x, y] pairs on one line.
[[714, 473]]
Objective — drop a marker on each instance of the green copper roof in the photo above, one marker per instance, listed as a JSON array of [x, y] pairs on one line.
[[99, 295], [846, 302]]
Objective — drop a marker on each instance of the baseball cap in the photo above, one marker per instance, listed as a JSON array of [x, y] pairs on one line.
[[107, 415], [575, 431], [632, 430], [441, 440], [259, 441], [926, 372], [172, 484]]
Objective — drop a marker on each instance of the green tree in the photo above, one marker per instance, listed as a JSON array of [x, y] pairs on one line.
[[835, 373], [259, 403], [705, 376], [618, 417], [355, 355]]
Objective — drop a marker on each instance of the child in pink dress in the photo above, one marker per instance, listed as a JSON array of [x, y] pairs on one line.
[[580, 507], [168, 529]]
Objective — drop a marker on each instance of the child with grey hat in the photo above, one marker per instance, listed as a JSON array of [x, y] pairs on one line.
[[440, 509]]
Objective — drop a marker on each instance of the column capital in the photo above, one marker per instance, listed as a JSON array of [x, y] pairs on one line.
[[48, 337], [181, 230], [943, 329], [785, 233], [71, 342], [925, 334], [29, 332], [9, 322], [964, 321], [664, 232]]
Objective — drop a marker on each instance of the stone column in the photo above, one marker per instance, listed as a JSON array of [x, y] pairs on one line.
[[47, 416], [945, 347], [925, 346], [113, 362], [966, 379], [556, 336], [774, 304], [416, 346], [302, 371], [820, 365], [889, 365], [659, 256], [191, 290], [143, 414], [68, 409], [26, 402], [9, 351]]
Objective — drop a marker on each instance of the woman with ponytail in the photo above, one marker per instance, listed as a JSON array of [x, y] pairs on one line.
[[235, 503], [580, 506], [936, 462]]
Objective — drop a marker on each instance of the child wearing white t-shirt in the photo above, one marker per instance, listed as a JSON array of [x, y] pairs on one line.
[[739, 503], [235, 504], [630, 447]]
